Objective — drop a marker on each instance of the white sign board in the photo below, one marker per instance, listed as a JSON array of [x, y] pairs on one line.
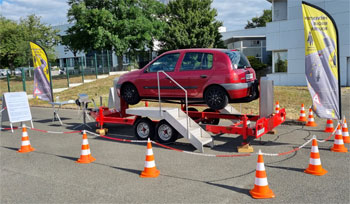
[[17, 107]]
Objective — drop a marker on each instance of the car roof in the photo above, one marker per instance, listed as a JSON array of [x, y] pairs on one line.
[[200, 49]]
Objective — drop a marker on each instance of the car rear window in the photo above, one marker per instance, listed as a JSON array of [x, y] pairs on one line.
[[238, 58], [197, 61]]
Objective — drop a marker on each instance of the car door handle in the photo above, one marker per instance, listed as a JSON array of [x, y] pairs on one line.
[[203, 76]]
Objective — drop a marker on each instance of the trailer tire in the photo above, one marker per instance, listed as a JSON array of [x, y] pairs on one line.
[[210, 121], [144, 129], [165, 133]]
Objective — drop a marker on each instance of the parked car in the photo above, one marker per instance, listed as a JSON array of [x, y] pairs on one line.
[[3, 72], [213, 76], [17, 71]]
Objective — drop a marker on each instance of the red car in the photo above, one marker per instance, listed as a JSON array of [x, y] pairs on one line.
[[213, 76]]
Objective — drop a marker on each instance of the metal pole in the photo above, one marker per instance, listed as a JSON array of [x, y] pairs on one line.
[[67, 72], [8, 81], [160, 106], [109, 69], [24, 80], [82, 69], [50, 75], [96, 65], [102, 62]]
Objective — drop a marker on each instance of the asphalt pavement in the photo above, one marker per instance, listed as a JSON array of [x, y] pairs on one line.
[[51, 175]]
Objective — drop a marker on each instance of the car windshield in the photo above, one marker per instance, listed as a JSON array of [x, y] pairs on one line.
[[238, 58]]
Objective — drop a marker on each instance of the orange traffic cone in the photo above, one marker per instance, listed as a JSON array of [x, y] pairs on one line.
[[25, 147], [150, 169], [329, 126], [261, 188], [338, 145], [345, 132], [277, 109], [311, 120], [315, 167], [85, 156], [302, 116]]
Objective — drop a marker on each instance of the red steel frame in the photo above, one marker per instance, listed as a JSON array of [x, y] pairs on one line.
[[262, 125]]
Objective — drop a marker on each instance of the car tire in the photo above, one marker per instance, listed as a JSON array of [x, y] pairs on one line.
[[216, 97], [210, 121], [144, 129], [165, 133], [130, 94]]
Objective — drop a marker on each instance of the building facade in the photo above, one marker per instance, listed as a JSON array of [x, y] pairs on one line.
[[285, 39]]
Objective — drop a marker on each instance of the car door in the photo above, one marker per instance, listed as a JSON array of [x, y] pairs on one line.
[[194, 72], [148, 79]]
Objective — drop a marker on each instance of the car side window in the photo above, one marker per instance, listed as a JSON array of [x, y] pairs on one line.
[[196, 61], [166, 63]]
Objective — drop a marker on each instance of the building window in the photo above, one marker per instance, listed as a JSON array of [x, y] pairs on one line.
[[280, 61], [279, 10]]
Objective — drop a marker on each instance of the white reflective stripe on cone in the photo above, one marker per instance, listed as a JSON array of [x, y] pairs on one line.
[[338, 132], [315, 161], [25, 143], [260, 167], [149, 152], [261, 181], [89, 151], [302, 114], [24, 134], [85, 142], [150, 164], [85, 152], [345, 134], [302, 108], [338, 142], [329, 125], [314, 149], [311, 119]]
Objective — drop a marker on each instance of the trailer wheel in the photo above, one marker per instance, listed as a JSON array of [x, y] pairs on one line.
[[165, 133], [210, 121], [144, 129], [192, 109]]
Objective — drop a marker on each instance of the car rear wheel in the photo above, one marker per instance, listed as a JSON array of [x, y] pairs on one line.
[[216, 98], [144, 129], [130, 94], [165, 133]]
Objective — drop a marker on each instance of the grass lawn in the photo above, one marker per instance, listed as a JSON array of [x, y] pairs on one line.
[[60, 81], [289, 97]]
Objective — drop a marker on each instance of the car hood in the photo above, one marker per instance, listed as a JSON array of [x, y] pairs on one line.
[[130, 75]]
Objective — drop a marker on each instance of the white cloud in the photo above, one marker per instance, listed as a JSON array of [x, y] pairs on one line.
[[235, 13], [51, 11]]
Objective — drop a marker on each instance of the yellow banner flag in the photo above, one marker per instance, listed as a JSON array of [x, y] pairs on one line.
[[42, 89], [322, 61]]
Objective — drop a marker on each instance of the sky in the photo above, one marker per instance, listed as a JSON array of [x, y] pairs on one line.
[[233, 13]]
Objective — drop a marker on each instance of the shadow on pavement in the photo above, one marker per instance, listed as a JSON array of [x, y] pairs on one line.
[[286, 168], [232, 188]]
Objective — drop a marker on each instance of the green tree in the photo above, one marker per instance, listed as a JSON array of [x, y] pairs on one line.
[[126, 26], [261, 20], [191, 24], [15, 37]]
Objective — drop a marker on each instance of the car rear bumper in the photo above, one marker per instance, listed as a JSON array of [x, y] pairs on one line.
[[239, 90]]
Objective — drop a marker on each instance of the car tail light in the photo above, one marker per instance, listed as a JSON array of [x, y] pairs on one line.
[[249, 76]]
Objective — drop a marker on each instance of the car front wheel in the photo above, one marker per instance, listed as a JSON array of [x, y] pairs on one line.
[[216, 98], [130, 94]]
